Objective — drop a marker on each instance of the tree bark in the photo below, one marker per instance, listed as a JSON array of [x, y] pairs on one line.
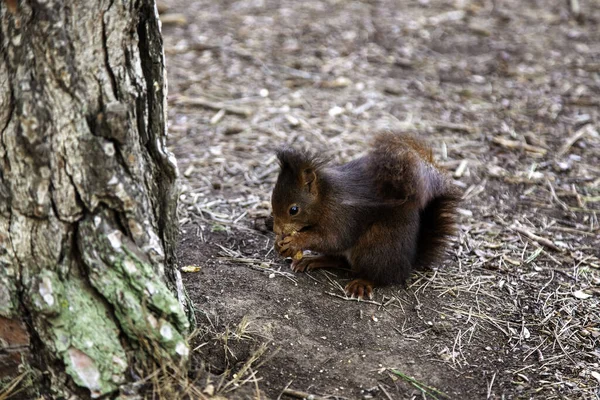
[[87, 193]]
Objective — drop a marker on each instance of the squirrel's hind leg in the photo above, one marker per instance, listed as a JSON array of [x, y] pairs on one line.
[[315, 262], [360, 288], [385, 255]]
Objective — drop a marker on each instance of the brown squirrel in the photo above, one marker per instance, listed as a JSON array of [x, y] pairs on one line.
[[381, 215]]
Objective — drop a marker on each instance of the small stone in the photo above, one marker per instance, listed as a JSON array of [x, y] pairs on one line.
[[335, 111], [209, 389], [580, 294]]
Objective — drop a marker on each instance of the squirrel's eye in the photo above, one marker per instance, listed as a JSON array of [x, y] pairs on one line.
[[294, 210]]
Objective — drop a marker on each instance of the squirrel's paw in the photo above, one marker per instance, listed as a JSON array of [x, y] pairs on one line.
[[307, 264], [300, 265], [311, 263], [359, 288], [286, 247]]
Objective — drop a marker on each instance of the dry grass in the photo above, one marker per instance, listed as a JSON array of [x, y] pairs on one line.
[[159, 378], [16, 386], [243, 350]]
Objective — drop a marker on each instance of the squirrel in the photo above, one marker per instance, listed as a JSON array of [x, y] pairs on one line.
[[381, 215]]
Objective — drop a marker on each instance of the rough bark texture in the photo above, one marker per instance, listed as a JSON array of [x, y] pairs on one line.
[[87, 190]]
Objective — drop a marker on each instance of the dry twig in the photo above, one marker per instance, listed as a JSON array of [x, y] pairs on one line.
[[515, 144], [301, 395], [203, 102], [580, 133], [534, 237]]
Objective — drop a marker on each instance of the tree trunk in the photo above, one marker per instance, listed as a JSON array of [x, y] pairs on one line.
[[87, 194]]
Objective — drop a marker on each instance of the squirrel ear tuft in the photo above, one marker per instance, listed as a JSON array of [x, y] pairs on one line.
[[290, 158], [303, 164]]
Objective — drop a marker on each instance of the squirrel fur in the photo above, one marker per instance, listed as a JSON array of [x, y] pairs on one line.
[[381, 215]]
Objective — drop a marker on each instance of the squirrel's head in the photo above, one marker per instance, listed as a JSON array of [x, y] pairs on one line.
[[297, 193]]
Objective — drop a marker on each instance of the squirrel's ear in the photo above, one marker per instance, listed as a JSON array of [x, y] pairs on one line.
[[302, 164], [309, 179]]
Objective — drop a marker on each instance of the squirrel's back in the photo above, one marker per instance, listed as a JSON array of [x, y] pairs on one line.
[[404, 169]]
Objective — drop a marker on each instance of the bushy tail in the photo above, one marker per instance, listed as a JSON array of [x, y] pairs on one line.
[[437, 226], [404, 168]]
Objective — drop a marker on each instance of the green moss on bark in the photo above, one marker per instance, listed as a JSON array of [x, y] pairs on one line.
[[73, 323], [146, 309]]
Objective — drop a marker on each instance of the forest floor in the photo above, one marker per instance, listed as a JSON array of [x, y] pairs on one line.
[[509, 99]]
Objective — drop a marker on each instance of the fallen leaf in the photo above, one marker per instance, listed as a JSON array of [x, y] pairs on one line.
[[191, 268]]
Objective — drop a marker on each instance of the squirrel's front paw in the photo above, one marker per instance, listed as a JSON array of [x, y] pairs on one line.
[[287, 247]]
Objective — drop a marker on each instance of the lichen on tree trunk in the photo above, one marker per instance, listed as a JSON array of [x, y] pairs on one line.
[[87, 188]]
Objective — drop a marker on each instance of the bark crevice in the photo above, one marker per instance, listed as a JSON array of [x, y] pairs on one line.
[[10, 107], [111, 74]]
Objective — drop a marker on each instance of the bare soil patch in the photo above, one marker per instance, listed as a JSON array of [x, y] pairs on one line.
[[508, 97]]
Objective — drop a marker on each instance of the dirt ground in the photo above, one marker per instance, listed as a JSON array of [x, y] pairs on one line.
[[508, 96]]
